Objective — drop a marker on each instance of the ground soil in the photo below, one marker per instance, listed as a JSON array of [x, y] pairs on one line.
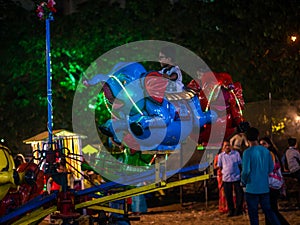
[[206, 213]]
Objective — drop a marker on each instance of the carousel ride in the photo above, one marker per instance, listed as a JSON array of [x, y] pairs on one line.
[[24, 197]]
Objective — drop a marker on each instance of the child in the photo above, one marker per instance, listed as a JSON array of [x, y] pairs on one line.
[[169, 70]]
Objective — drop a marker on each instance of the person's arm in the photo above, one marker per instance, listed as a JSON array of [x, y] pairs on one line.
[[172, 77], [271, 163], [284, 162], [297, 157], [231, 141], [219, 163], [239, 161], [245, 169], [273, 157], [216, 162], [245, 140]]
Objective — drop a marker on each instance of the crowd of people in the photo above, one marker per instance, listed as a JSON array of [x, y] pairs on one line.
[[244, 167]]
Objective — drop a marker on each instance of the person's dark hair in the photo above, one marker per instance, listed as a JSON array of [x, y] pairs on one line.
[[267, 139], [271, 147], [243, 127], [19, 159], [292, 141], [226, 140], [169, 52], [220, 150], [252, 134]]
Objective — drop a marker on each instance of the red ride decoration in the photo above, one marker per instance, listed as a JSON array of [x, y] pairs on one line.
[[66, 205], [25, 191], [44, 9], [220, 88], [156, 86]]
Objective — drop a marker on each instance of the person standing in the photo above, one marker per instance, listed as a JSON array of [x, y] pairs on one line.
[[292, 155], [239, 142], [139, 203], [293, 158], [230, 162], [257, 163], [19, 160], [223, 208], [274, 193]]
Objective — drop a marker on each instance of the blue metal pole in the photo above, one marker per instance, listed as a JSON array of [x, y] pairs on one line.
[[33, 204], [49, 78]]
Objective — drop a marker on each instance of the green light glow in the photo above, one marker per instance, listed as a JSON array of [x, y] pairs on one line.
[[210, 96], [237, 102], [127, 94], [108, 108], [92, 106], [200, 147]]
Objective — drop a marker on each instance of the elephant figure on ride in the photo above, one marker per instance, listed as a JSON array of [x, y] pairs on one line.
[[224, 97], [143, 115]]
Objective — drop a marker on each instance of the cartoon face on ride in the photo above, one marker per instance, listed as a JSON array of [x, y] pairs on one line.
[[143, 115]]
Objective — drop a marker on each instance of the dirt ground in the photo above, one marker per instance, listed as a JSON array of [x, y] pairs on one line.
[[206, 213], [201, 213]]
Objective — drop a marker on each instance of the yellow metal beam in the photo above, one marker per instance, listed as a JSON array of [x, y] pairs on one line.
[[35, 216], [140, 190], [106, 209], [116, 196], [179, 183]]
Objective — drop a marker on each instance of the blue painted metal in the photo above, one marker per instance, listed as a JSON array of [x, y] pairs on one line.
[[49, 77], [148, 175], [31, 205], [154, 124]]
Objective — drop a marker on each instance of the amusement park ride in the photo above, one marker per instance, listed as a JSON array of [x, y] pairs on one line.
[[24, 200], [170, 118]]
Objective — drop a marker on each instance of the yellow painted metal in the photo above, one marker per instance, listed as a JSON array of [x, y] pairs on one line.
[[35, 216], [7, 167], [141, 190], [116, 196], [106, 209], [4, 190], [7, 177]]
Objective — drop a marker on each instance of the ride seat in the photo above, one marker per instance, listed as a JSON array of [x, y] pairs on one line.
[[184, 95]]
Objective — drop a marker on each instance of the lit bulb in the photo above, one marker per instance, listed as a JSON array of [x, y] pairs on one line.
[[293, 38]]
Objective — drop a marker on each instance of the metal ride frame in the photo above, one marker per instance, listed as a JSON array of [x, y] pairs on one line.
[[59, 202], [41, 206]]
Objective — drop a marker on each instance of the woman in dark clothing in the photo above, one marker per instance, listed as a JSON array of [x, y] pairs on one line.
[[274, 193]]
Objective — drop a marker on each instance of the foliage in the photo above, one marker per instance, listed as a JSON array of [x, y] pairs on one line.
[[248, 39]]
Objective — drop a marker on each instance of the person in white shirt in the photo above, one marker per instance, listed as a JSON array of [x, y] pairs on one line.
[[293, 158], [170, 71]]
